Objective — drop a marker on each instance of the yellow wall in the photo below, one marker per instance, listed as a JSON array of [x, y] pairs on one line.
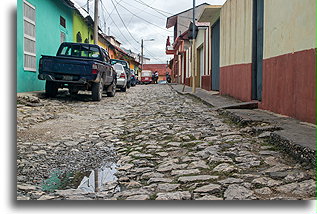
[[102, 45], [79, 25], [236, 32], [290, 26]]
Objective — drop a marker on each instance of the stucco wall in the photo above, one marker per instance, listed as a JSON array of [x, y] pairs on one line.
[[289, 65], [236, 32], [81, 26], [48, 31], [290, 26]]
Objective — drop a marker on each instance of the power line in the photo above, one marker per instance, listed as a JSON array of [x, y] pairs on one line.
[[142, 18], [158, 10], [117, 26], [128, 32], [123, 22], [143, 10], [162, 12], [112, 11]]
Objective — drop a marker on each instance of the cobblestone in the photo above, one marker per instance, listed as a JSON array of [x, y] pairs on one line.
[[165, 147]]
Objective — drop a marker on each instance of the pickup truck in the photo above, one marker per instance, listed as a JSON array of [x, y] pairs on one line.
[[78, 66]]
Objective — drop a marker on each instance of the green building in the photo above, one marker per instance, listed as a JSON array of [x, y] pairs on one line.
[[41, 26]]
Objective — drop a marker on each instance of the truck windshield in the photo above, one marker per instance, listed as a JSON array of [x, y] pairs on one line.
[[79, 50]]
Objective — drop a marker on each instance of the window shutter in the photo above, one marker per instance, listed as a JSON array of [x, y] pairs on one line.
[[29, 21]]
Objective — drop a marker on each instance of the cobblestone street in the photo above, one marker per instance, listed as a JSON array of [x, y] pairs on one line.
[[163, 146]]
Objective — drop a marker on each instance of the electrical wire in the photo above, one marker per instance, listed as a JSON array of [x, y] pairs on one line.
[[161, 12], [113, 9], [128, 31], [143, 10], [143, 18], [158, 10], [118, 27]]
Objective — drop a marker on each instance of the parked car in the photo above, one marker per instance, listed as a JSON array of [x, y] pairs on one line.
[[133, 78], [146, 77], [162, 82], [78, 66], [126, 68], [122, 80]]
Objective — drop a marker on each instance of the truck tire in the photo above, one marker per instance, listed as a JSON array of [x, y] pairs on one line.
[[123, 89], [111, 90], [51, 89], [97, 89]]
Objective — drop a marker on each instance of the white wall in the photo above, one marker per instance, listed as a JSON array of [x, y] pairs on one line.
[[289, 26], [236, 32]]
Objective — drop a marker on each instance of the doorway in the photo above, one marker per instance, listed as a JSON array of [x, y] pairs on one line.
[[215, 56]]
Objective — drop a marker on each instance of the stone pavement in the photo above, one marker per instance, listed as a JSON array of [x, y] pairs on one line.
[[293, 136], [166, 147]]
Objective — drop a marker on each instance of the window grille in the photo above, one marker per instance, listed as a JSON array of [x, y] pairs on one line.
[[63, 37]]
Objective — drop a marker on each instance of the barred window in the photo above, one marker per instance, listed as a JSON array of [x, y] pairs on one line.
[[63, 37], [29, 36]]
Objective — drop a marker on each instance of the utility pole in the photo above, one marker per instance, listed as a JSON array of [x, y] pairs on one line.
[[142, 55], [96, 22], [96, 43], [194, 51]]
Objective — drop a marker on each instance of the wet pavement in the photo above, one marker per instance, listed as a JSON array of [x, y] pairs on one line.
[[152, 144]]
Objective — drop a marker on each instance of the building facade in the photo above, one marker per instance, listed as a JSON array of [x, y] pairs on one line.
[[262, 50], [36, 37]]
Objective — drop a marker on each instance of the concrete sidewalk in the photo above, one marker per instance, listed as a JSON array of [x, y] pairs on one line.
[[293, 136]]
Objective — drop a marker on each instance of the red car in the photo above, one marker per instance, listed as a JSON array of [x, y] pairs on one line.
[[146, 77]]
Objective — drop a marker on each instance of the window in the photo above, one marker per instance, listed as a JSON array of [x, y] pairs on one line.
[[62, 21], [79, 50], [29, 37], [78, 37], [63, 37]]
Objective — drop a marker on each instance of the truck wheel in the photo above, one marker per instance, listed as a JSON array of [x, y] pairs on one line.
[[123, 89], [96, 90], [129, 84], [51, 89], [111, 92]]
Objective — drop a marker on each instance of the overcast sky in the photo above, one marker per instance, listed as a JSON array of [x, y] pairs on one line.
[[139, 26]]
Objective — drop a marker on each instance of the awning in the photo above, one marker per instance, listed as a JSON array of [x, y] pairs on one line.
[[210, 14]]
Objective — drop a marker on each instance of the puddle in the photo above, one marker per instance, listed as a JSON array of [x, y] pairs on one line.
[[59, 180], [105, 175]]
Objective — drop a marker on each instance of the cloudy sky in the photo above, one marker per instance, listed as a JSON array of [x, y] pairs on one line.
[[142, 21]]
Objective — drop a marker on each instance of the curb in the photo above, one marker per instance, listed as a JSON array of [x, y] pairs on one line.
[[300, 153]]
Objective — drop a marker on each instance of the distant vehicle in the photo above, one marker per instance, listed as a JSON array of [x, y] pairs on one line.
[[126, 68], [133, 78], [162, 82], [122, 80], [146, 77], [78, 66]]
